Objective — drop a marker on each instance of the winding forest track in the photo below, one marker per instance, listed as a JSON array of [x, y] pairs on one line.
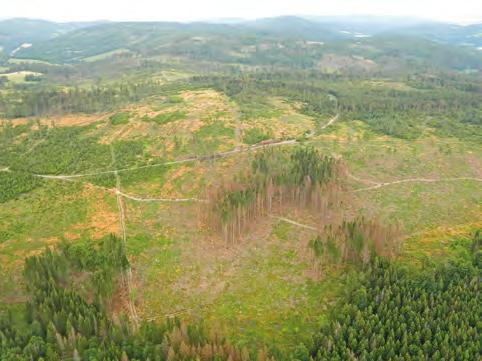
[[173, 200], [366, 181], [412, 180], [330, 122], [201, 158], [125, 195]]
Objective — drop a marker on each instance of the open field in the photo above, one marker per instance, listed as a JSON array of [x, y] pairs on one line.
[[19, 76]]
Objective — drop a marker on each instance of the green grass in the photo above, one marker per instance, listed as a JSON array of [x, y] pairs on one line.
[[257, 106], [165, 118], [259, 297], [142, 179], [174, 99], [120, 118], [210, 138], [422, 206], [254, 136], [417, 206]]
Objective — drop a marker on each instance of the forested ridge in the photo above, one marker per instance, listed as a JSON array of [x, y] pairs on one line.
[[450, 105]]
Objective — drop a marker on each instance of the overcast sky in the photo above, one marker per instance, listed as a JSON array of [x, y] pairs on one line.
[[460, 11]]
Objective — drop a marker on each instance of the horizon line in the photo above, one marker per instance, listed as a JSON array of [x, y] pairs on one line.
[[220, 20]]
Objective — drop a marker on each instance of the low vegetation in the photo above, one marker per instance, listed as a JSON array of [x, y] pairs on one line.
[[14, 184], [120, 118], [165, 118]]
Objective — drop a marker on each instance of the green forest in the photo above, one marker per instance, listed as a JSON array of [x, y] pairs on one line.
[[399, 314]]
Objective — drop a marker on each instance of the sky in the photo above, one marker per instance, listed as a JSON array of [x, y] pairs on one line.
[[460, 11]]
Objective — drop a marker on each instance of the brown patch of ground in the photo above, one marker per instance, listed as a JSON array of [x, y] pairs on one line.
[[102, 220], [12, 299], [21, 255], [132, 130], [119, 301], [475, 163], [60, 121], [450, 232], [73, 120], [209, 262], [336, 63], [70, 236]]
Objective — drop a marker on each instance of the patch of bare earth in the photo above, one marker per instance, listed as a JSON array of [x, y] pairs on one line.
[[475, 164], [334, 62], [59, 121], [102, 219]]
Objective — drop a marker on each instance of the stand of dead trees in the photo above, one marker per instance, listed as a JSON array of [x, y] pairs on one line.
[[302, 178], [354, 241]]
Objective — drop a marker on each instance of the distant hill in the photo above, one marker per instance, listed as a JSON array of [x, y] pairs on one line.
[[366, 24], [144, 37], [470, 35], [287, 40], [15, 32], [294, 27]]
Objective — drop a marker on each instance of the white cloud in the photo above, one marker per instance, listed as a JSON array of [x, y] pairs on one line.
[[461, 11]]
